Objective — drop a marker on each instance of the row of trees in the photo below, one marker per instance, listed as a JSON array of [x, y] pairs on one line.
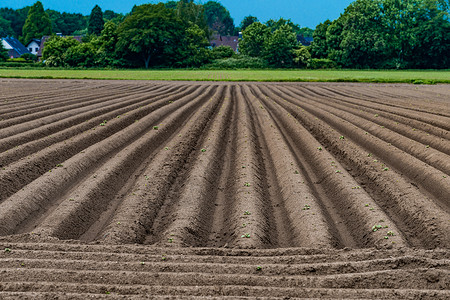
[[387, 34], [152, 35], [216, 17], [275, 42]]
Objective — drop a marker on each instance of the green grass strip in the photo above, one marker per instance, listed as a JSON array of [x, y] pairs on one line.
[[375, 76]]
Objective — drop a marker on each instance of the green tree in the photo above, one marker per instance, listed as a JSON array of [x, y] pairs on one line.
[[37, 24], [306, 31], [218, 18], [253, 39], [80, 55], [55, 50], [279, 47], [96, 22], [16, 18], [66, 23], [276, 24], [5, 28], [319, 47], [191, 13], [247, 21], [3, 52], [194, 52], [105, 45], [152, 32]]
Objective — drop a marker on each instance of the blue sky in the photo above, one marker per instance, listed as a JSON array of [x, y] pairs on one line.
[[304, 12]]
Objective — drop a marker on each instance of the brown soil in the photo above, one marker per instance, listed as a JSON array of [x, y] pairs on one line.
[[201, 190]]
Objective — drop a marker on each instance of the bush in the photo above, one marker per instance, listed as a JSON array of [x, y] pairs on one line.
[[302, 57], [239, 62], [17, 60], [322, 63], [221, 52], [29, 57]]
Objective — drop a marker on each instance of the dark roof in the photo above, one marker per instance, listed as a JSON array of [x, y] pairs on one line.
[[17, 46], [305, 41], [46, 37], [231, 41]]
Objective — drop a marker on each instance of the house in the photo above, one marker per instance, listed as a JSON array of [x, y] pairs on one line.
[[231, 41], [15, 48], [46, 37], [305, 41], [34, 46]]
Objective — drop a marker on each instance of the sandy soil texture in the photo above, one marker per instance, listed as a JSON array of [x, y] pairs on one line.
[[125, 189]]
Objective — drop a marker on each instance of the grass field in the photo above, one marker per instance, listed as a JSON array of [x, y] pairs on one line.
[[391, 76]]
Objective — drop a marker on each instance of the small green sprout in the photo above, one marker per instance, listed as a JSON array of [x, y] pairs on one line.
[[247, 235], [247, 213], [390, 233], [247, 184], [385, 169], [376, 227], [341, 137], [170, 240], [295, 172], [155, 127], [306, 207], [59, 165], [258, 268], [376, 115], [319, 148], [7, 250], [427, 146], [166, 148], [142, 263], [203, 150]]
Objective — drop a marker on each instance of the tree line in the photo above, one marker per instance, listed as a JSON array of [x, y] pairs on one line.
[[368, 34]]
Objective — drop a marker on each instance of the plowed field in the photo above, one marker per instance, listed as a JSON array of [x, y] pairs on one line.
[[161, 189]]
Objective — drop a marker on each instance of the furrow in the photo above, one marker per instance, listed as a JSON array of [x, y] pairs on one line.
[[99, 291], [133, 220], [430, 156], [14, 176], [169, 264], [248, 224], [418, 217], [30, 108], [57, 131], [434, 181], [386, 279], [80, 207], [414, 129], [69, 250], [294, 199], [189, 214], [37, 195], [350, 208], [415, 102], [424, 118], [31, 121]]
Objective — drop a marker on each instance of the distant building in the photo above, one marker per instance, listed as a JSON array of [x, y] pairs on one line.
[[220, 40], [34, 46], [15, 48]]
